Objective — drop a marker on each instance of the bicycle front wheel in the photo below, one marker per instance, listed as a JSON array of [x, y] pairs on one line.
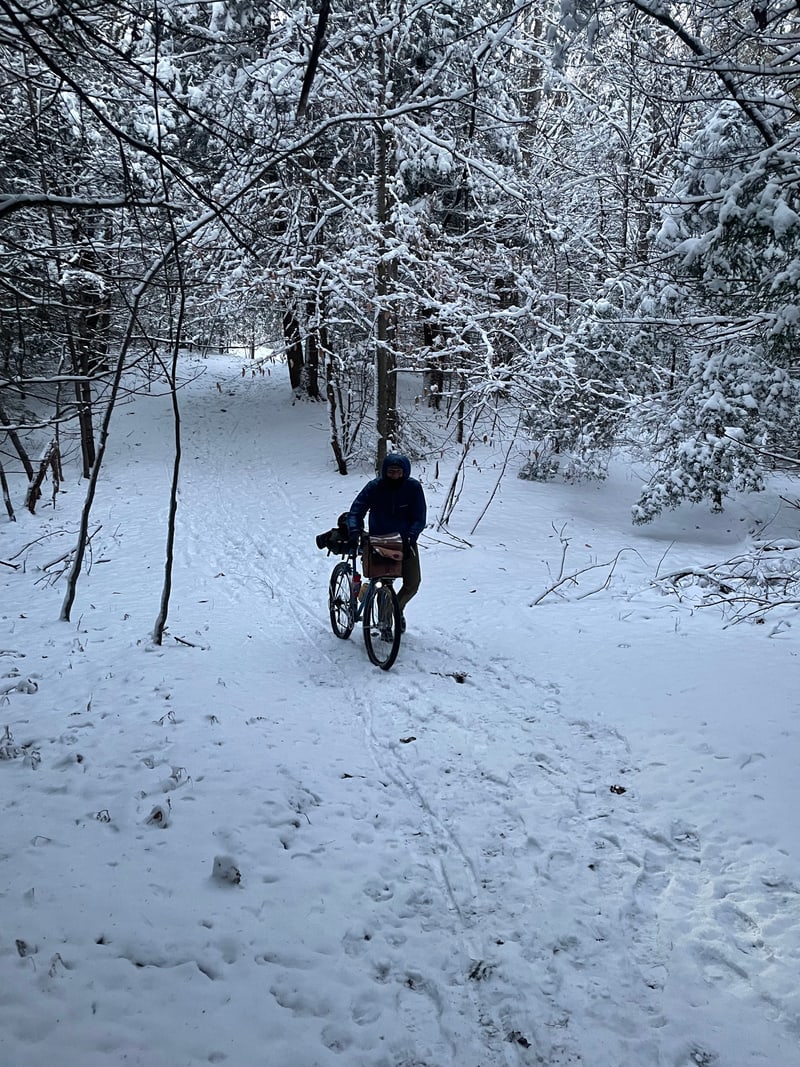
[[341, 602], [382, 625]]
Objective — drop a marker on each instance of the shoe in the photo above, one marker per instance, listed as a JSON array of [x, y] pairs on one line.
[[386, 634]]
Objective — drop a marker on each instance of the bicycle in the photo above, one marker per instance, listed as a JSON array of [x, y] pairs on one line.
[[370, 599]]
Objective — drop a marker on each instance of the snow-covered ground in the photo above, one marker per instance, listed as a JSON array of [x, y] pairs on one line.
[[552, 834]]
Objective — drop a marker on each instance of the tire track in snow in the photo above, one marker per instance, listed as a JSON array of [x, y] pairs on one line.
[[403, 925], [539, 792], [440, 848]]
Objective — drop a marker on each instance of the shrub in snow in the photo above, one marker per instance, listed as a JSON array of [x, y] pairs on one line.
[[714, 442]]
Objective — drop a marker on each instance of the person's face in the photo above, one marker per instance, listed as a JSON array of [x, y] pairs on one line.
[[395, 473]]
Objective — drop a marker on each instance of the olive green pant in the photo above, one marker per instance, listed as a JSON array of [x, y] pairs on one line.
[[411, 579]]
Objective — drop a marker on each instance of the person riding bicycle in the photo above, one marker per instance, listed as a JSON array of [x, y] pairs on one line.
[[396, 504]]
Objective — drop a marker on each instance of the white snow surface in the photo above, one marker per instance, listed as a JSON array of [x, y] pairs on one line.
[[562, 834]]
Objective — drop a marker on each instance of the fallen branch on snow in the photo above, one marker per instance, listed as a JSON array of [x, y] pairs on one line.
[[563, 579], [746, 586]]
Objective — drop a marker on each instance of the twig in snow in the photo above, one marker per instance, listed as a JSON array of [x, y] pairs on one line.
[[456, 542], [499, 479], [563, 579], [667, 550]]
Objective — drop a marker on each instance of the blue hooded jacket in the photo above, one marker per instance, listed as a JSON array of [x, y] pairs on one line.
[[394, 506]]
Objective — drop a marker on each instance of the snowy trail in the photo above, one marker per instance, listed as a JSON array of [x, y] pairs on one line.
[[548, 818], [458, 863], [388, 898], [477, 1013]]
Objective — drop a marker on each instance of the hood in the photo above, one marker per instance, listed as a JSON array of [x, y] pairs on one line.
[[395, 459]]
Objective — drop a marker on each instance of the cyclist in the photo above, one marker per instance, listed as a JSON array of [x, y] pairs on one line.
[[396, 504]]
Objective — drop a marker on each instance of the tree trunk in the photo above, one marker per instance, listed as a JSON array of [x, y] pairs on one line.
[[17, 443], [51, 461], [6, 495], [385, 360], [94, 473], [294, 348], [312, 350], [433, 375], [336, 443], [166, 589]]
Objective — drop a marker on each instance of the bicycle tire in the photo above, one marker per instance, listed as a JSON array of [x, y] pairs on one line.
[[341, 602], [382, 625]]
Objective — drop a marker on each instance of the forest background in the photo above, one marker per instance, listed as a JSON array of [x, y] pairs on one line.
[[558, 235], [574, 224]]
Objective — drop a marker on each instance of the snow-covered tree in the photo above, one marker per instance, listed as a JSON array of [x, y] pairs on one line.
[[732, 236], [692, 317]]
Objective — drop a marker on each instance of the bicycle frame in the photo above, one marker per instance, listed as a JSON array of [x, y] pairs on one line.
[[382, 623], [372, 584]]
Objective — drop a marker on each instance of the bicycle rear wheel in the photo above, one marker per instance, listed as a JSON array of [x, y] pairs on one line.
[[341, 602], [382, 625]]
